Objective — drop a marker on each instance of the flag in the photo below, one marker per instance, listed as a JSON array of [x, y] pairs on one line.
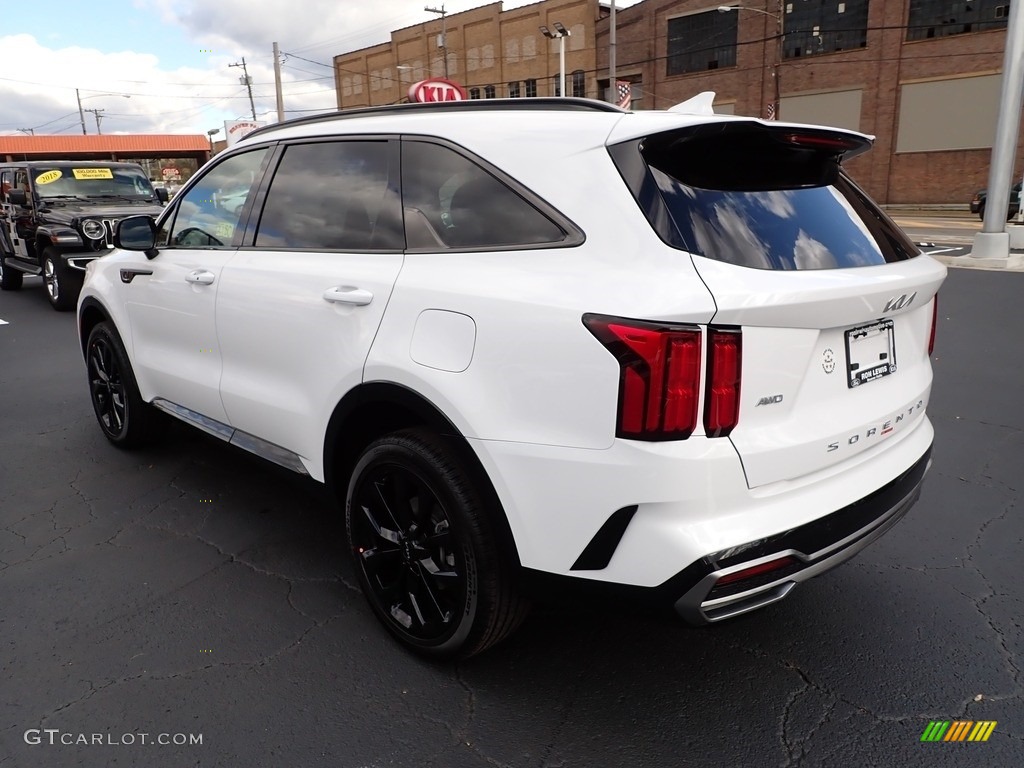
[[771, 111], [623, 93]]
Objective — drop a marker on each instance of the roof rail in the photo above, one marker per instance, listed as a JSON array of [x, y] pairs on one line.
[[544, 103]]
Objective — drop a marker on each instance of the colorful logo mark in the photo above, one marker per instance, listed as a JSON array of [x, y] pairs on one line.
[[958, 730]]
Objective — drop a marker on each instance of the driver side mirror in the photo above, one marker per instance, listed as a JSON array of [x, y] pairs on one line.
[[136, 233], [162, 195], [17, 197]]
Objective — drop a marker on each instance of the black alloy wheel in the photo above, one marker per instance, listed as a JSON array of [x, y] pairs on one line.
[[423, 550], [62, 283], [125, 419]]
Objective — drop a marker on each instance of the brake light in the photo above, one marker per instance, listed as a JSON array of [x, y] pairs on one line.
[[819, 141], [659, 375], [722, 402], [935, 322]]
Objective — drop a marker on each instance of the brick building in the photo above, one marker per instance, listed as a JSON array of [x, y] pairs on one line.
[[923, 76], [490, 52], [920, 75]]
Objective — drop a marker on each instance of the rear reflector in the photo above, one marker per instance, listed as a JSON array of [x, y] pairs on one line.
[[757, 570], [659, 375], [722, 402], [935, 321]]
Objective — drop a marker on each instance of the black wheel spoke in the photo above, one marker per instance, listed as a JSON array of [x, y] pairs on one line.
[[380, 531], [377, 561]]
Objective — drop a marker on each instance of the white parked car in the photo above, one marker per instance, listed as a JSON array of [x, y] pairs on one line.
[[678, 355]]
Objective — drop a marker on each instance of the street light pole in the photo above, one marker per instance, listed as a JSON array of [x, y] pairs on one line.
[[559, 34], [777, 64]]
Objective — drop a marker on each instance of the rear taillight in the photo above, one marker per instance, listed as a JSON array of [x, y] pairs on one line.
[[935, 322], [659, 375], [722, 401]]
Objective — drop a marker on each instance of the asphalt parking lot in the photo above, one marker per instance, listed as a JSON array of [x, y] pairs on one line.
[[191, 590]]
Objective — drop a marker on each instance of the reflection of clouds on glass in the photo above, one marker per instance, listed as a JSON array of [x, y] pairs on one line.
[[808, 253], [728, 236], [865, 249], [780, 203]]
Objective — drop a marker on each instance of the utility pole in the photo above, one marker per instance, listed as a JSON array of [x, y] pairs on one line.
[[444, 34], [277, 84], [81, 114], [247, 82], [96, 114]]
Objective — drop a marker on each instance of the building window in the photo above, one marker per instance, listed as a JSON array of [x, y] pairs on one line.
[[940, 18], [487, 56], [473, 59], [701, 41], [512, 51], [579, 83], [825, 27], [489, 92], [556, 84], [531, 88], [474, 93], [513, 90], [529, 47]]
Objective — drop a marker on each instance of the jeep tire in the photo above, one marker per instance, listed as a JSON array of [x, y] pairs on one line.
[[62, 283], [10, 279]]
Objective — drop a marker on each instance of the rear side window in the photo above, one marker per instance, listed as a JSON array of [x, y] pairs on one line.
[[762, 197], [451, 202], [333, 196]]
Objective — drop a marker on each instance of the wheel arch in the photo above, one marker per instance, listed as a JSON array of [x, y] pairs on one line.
[[90, 314], [375, 409]]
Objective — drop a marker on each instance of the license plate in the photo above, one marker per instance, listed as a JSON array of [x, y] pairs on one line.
[[870, 352]]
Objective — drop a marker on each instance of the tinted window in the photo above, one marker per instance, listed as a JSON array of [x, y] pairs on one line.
[[333, 196], [452, 202], [768, 199], [209, 214]]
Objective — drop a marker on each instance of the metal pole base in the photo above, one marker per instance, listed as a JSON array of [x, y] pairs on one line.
[[992, 250]]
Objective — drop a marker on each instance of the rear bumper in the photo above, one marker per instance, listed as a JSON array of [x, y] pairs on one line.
[[808, 550]]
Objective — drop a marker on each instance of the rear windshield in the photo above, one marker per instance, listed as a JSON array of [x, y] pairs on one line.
[[761, 199]]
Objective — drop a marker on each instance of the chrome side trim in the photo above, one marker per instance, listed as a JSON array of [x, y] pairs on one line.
[[695, 608], [268, 451], [205, 423], [255, 445]]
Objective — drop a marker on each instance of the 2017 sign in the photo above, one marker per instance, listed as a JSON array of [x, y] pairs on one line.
[[436, 89]]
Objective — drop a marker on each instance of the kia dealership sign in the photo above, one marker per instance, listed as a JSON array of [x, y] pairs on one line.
[[436, 89]]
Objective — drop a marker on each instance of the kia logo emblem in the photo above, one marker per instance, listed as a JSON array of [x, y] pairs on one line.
[[435, 90]]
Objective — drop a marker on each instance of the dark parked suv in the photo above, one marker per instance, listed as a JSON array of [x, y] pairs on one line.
[[56, 216]]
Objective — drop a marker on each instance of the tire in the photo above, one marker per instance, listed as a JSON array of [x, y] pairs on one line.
[[126, 420], [981, 211], [62, 283], [10, 279], [425, 553]]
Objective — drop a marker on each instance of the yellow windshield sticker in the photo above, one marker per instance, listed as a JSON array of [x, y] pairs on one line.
[[46, 178], [92, 173]]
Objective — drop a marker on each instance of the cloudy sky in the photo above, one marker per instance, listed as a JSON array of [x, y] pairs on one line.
[[162, 66]]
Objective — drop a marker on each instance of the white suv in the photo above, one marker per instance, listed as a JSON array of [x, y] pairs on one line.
[[539, 341]]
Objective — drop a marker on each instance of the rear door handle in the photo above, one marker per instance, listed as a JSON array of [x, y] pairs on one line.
[[348, 294], [200, 276]]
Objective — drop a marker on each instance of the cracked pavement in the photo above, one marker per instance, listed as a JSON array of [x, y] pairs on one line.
[[190, 588]]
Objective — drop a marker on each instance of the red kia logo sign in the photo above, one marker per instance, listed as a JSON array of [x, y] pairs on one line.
[[436, 89]]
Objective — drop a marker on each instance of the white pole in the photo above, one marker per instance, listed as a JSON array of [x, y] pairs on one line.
[[613, 90], [993, 240], [277, 84], [561, 62]]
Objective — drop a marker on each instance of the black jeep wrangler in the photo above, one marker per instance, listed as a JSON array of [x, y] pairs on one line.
[[58, 215]]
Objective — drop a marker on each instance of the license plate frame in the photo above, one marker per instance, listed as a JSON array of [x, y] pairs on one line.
[[870, 352]]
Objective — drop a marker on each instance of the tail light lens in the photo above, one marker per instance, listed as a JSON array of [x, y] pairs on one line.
[[935, 322], [722, 402], [659, 379]]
